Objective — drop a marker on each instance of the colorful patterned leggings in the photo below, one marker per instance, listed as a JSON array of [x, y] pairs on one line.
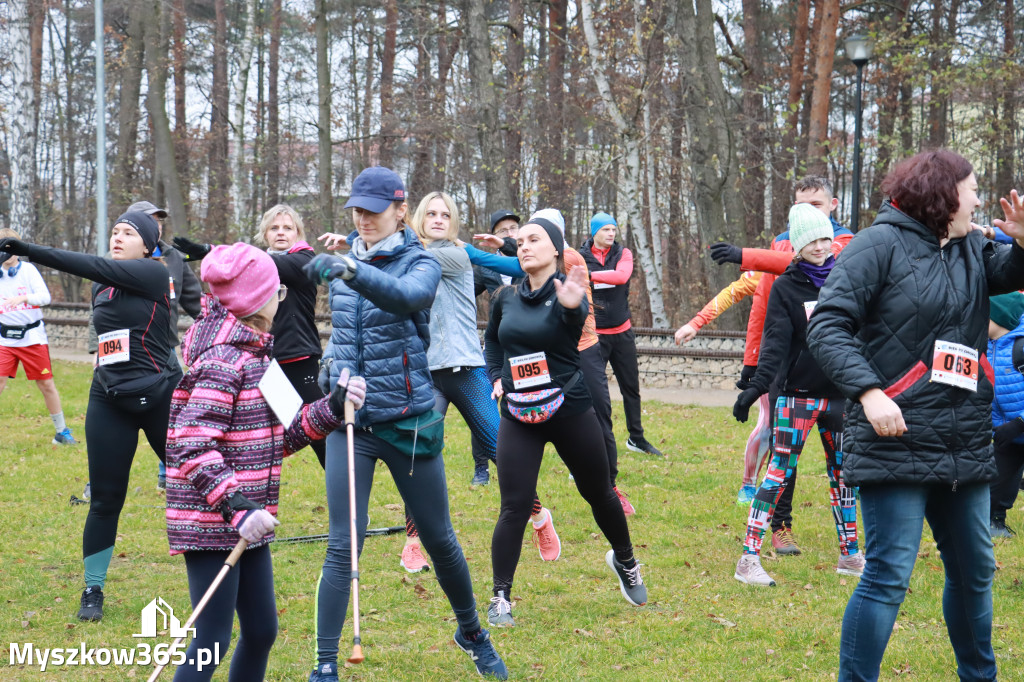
[[794, 418]]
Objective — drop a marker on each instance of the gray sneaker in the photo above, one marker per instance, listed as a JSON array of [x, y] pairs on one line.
[[499, 613], [851, 564], [630, 583], [749, 571]]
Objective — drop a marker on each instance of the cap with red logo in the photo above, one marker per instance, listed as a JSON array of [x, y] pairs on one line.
[[375, 189]]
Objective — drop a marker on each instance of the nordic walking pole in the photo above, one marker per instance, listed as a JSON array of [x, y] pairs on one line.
[[229, 563], [357, 647]]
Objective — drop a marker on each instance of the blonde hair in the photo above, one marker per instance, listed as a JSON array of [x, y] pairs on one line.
[[268, 217], [421, 212], [8, 232]]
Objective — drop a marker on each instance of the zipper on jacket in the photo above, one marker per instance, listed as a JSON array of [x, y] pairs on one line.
[[952, 411], [359, 334]]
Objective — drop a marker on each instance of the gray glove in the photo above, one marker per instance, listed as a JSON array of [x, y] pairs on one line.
[[256, 524]]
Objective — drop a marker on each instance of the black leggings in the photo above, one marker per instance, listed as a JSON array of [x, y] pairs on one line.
[[580, 443], [248, 588], [303, 376], [112, 436]]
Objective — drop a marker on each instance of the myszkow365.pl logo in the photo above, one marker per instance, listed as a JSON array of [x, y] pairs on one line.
[[157, 616]]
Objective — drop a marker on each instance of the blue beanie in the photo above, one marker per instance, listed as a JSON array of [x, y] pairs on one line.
[[600, 220]]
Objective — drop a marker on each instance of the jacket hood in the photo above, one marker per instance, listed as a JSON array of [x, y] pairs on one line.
[[890, 215], [216, 326]]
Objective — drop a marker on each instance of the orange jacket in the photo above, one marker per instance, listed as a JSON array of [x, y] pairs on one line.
[[726, 298]]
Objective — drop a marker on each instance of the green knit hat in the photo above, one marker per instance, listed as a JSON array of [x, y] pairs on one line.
[[806, 224], [1005, 310]]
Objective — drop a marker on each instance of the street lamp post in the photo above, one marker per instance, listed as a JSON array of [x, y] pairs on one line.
[[858, 49]]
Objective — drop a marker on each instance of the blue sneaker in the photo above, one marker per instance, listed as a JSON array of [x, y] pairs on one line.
[[746, 496], [481, 650], [325, 672], [64, 438]]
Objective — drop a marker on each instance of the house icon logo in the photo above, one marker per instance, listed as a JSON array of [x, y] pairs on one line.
[[160, 610]]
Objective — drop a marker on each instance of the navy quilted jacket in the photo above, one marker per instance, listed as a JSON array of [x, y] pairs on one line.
[[1009, 383], [380, 323], [892, 294]]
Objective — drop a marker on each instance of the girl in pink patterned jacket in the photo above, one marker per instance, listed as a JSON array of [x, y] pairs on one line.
[[225, 447]]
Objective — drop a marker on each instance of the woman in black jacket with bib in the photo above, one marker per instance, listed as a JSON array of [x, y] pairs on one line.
[[901, 327], [132, 384]]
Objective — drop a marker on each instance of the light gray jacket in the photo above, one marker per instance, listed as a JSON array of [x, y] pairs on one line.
[[454, 341]]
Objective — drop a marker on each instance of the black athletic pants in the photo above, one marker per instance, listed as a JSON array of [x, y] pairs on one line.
[[112, 435], [303, 376], [247, 589], [620, 351], [1003, 490], [592, 363], [578, 441]]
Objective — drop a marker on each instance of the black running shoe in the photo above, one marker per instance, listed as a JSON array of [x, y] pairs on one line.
[[92, 604], [643, 446]]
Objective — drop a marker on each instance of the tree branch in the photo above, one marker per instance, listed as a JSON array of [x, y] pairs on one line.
[[732, 46]]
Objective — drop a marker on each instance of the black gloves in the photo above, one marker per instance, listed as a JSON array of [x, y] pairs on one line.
[[236, 502], [741, 410], [9, 246], [1008, 432], [724, 252], [324, 268], [510, 247], [745, 376], [194, 250]]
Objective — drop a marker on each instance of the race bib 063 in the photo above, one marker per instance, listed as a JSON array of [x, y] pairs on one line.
[[955, 364]]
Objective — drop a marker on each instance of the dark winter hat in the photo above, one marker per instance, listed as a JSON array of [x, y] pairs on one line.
[[1006, 310], [554, 234], [375, 189], [145, 225], [503, 214], [149, 209]]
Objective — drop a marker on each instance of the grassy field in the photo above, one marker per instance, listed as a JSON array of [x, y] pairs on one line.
[[700, 623]]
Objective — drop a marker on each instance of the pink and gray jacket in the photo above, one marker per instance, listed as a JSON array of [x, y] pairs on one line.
[[222, 435]]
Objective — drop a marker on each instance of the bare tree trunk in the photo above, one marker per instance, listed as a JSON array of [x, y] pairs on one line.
[[488, 131], [323, 88], [711, 149], [631, 178], [1007, 123], [551, 171], [239, 179], [387, 79], [423, 139], [22, 121], [817, 132], [219, 181], [785, 164], [273, 160], [156, 105], [755, 120], [122, 180], [892, 84], [515, 55], [181, 144]]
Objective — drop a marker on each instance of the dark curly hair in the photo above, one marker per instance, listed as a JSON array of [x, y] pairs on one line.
[[925, 188]]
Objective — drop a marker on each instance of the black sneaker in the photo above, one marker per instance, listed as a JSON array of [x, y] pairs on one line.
[[325, 672], [630, 583], [481, 650], [92, 604], [997, 528], [482, 476], [643, 446], [161, 482]]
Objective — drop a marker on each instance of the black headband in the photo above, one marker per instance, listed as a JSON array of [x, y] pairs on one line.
[[553, 232]]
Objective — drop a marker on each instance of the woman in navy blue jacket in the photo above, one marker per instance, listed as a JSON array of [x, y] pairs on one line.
[[380, 296]]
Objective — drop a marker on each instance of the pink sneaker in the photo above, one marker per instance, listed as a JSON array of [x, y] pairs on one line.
[[545, 539], [413, 559], [627, 508]]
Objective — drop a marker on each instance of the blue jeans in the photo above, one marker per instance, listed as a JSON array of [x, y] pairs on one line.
[[894, 518], [425, 493]]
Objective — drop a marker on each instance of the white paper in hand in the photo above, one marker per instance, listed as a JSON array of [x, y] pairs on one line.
[[279, 393]]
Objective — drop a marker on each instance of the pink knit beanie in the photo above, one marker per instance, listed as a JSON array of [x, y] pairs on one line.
[[241, 276]]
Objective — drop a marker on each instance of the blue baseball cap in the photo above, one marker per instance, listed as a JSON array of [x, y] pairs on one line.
[[601, 220], [375, 189]]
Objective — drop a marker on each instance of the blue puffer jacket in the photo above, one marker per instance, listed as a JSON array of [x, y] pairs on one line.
[[1008, 403], [380, 323]]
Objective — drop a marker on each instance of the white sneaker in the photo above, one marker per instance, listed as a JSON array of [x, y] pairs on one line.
[[851, 564], [749, 571]]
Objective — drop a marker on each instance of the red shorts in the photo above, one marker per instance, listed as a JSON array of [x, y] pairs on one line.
[[36, 359]]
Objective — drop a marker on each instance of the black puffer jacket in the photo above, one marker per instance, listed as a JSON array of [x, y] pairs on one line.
[[892, 294]]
